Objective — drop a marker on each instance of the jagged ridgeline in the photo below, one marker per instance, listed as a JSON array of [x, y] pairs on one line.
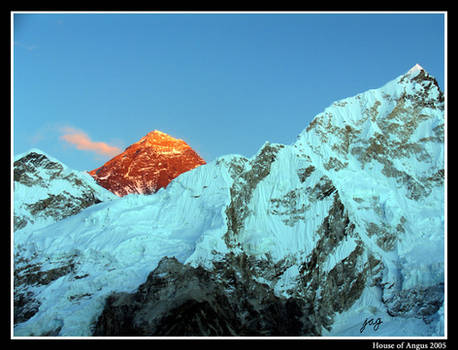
[[315, 238], [45, 190]]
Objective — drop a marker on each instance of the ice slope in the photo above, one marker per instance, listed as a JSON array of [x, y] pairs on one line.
[[275, 224], [349, 218], [114, 245]]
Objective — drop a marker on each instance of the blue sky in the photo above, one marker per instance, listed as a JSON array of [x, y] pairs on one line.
[[223, 82]]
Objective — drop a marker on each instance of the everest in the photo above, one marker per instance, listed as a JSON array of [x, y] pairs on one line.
[[147, 165], [341, 233]]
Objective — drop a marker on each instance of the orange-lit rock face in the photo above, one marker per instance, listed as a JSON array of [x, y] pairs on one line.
[[147, 165]]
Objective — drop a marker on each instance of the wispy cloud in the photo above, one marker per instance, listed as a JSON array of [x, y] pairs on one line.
[[80, 140]]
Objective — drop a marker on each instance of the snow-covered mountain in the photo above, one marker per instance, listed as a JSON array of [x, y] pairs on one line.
[[340, 233], [46, 190], [147, 165]]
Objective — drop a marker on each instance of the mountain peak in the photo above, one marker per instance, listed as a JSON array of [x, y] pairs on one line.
[[415, 70], [163, 142], [33, 151], [147, 165], [155, 134]]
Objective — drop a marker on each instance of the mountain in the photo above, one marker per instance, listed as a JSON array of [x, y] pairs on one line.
[[147, 165], [46, 190], [339, 234]]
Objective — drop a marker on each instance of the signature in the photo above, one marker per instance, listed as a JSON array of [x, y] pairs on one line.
[[371, 322]]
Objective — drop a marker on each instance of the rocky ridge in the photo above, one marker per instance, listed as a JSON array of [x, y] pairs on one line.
[[46, 190], [179, 300]]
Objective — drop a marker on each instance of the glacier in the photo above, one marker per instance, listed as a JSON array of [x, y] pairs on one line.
[[348, 221]]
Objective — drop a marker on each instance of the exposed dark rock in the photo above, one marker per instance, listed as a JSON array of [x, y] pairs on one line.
[[25, 168], [322, 189], [416, 302], [287, 207], [19, 222], [305, 173], [243, 187], [25, 306], [36, 169], [62, 205], [177, 299], [31, 273], [343, 284]]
